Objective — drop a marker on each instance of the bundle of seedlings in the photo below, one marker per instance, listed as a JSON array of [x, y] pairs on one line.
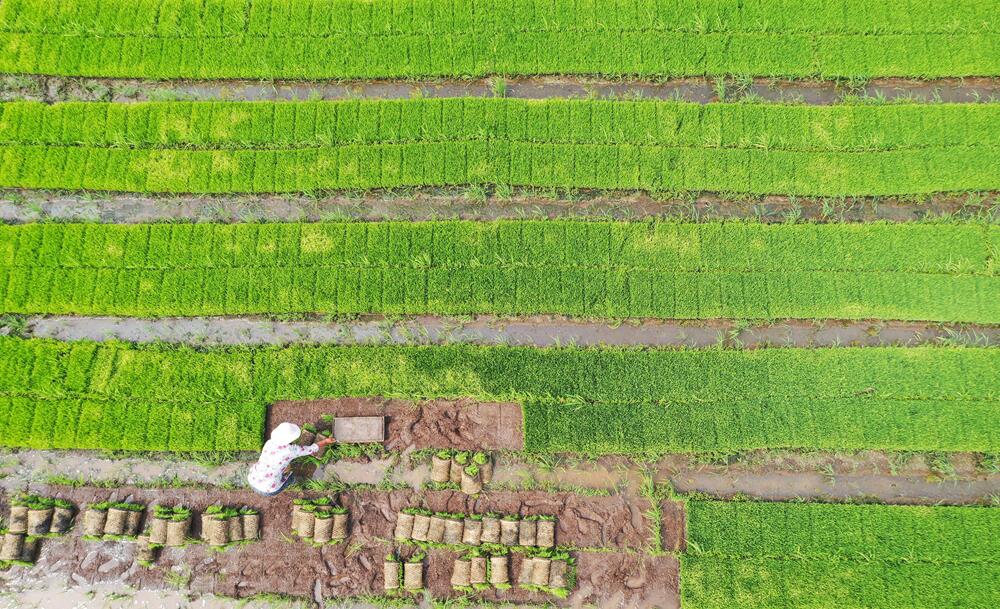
[[472, 482], [146, 552], [500, 570], [459, 461], [12, 547], [435, 531], [308, 435], [390, 572], [413, 572], [170, 526], [421, 523], [251, 523], [485, 465], [491, 529], [454, 528], [441, 467], [472, 533], [509, 530]]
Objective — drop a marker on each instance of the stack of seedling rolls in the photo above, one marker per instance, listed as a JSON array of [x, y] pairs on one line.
[[32, 517], [546, 572], [222, 526], [469, 471], [170, 526], [119, 519], [403, 575], [417, 524], [479, 570], [320, 521]]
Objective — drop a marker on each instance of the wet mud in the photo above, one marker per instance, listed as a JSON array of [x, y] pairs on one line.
[[458, 424]]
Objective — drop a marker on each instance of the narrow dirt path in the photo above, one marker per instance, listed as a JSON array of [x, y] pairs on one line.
[[479, 204], [533, 331], [699, 90]]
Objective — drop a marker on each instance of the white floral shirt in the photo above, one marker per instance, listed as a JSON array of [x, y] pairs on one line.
[[267, 474]]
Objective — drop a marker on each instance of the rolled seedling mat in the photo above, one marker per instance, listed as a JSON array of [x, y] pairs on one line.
[[296, 516], [491, 530], [323, 529], [306, 523], [421, 526], [390, 574], [499, 570], [205, 523], [527, 533], [455, 472], [440, 470], [508, 532], [216, 531], [478, 573], [404, 526], [557, 574], [19, 519], [545, 535], [527, 568], [413, 575], [39, 521], [540, 572], [117, 519], [146, 552], [486, 471], [473, 532], [177, 532], [251, 526], [62, 520], [340, 524], [460, 576], [235, 524], [158, 531], [93, 522], [133, 523], [453, 530], [306, 438], [435, 533], [471, 485], [29, 553], [12, 547]]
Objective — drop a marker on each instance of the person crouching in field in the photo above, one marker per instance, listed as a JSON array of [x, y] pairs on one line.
[[271, 473]]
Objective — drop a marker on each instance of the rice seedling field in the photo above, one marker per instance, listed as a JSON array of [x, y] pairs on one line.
[[313, 39], [688, 304], [816, 555], [268, 147]]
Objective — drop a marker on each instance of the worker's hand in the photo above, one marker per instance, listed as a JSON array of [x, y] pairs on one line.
[[326, 442]]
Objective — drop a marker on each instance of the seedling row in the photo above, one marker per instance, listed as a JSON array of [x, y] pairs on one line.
[[252, 147], [279, 39], [628, 401], [735, 269]]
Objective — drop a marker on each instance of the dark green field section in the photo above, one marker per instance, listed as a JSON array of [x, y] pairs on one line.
[[806, 555], [589, 269], [120, 396], [323, 39], [281, 147]]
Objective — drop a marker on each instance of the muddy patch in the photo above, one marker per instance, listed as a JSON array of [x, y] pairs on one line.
[[458, 424], [277, 564]]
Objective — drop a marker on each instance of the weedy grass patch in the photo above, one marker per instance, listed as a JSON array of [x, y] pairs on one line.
[[814, 555], [322, 39], [162, 397], [729, 269], [664, 146]]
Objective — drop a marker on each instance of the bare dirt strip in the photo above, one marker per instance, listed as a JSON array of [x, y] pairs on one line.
[[617, 576], [477, 204], [537, 331], [458, 424], [700, 90]]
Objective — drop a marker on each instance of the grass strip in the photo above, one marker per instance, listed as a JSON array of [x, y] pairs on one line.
[[811, 555], [314, 39], [250, 147], [731, 269], [105, 394]]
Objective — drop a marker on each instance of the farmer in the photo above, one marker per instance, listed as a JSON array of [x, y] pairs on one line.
[[271, 473]]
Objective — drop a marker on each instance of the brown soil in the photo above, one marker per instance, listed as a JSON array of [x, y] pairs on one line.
[[460, 424], [353, 568]]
